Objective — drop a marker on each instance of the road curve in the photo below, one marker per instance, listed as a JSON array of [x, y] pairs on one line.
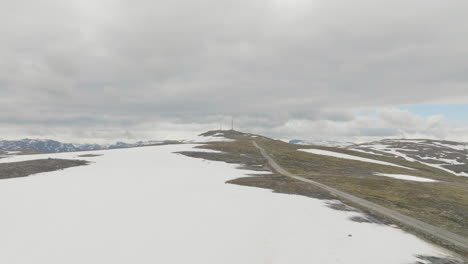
[[441, 234]]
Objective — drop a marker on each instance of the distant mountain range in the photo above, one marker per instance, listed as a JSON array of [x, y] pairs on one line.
[[446, 155], [326, 143], [50, 146]]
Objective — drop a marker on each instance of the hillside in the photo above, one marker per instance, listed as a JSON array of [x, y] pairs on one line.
[[446, 155], [436, 196]]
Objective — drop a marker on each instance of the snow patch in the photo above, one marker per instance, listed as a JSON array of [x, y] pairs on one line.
[[367, 152], [447, 161], [457, 147], [441, 167], [350, 157], [405, 177], [439, 149], [389, 150], [327, 143]]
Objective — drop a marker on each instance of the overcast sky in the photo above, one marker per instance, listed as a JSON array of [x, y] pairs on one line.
[[100, 71]]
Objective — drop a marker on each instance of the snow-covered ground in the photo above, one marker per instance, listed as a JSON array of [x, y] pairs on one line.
[[150, 205], [350, 157], [406, 177]]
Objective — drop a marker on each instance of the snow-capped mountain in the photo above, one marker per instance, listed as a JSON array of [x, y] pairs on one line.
[[326, 143], [43, 145], [51, 146], [446, 155]]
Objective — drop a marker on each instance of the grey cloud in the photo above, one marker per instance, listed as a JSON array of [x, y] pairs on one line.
[[88, 64]]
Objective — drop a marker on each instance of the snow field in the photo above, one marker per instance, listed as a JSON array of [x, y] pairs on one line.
[[150, 205]]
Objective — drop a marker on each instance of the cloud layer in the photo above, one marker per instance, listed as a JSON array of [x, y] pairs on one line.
[[101, 70]]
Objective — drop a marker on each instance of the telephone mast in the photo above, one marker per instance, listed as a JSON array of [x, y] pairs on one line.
[[232, 123]]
